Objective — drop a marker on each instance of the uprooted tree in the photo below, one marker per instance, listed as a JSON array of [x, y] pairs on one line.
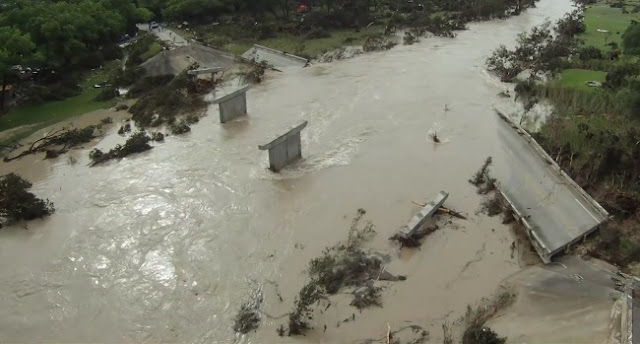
[[16, 203], [163, 104], [58, 142], [540, 51]]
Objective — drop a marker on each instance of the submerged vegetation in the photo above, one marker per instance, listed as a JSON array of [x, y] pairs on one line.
[[162, 104], [16, 203], [136, 143], [255, 73], [476, 332], [343, 266], [248, 317]]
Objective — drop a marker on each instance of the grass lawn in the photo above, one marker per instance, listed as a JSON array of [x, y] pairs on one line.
[[234, 40], [53, 112], [601, 16], [152, 51], [576, 78], [315, 47]]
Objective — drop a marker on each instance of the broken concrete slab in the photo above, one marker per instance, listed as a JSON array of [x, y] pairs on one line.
[[425, 214], [276, 58], [285, 149], [177, 60], [201, 71], [233, 104]]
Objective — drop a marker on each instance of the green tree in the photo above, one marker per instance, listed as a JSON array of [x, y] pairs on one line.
[[17, 203], [155, 6], [16, 48], [144, 15], [631, 39], [193, 9]]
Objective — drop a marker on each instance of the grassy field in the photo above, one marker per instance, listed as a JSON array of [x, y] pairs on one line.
[[152, 51], [603, 17], [53, 112], [577, 78], [232, 39], [40, 115], [315, 47]]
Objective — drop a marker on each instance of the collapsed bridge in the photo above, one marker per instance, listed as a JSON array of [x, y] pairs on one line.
[[555, 211]]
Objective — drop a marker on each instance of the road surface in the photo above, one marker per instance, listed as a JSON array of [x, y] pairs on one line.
[[166, 35], [275, 58], [558, 213]]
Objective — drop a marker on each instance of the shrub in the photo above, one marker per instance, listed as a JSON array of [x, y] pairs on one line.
[[410, 38], [590, 53], [17, 203], [257, 71], [317, 32], [138, 142], [157, 136], [107, 93], [481, 335], [179, 128], [192, 119]]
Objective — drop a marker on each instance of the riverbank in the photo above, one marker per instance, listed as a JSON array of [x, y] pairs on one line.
[[23, 120], [34, 167], [324, 27]]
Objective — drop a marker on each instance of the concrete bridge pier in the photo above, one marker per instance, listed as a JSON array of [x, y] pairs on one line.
[[233, 104], [285, 149]]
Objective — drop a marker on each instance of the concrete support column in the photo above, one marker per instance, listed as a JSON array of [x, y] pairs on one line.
[[285, 149], [233, 104]]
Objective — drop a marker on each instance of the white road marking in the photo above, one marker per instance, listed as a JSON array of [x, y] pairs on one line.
[[585, 209]]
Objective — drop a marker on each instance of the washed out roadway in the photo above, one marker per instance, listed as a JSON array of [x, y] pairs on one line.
[[558, 213]]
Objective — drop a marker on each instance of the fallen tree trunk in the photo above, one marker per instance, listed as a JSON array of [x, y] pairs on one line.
[[64, 137], [444, 210]]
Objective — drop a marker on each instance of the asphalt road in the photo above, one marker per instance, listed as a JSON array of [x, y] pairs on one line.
[[557, 212], [166, 35]]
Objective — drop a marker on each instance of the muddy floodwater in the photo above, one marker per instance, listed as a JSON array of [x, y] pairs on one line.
[[165, 245]]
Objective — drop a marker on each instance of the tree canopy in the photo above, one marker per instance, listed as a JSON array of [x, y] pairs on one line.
[[16, 203], [631, 39], [64, 32]]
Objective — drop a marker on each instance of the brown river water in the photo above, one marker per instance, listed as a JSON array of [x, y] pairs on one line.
[[165, 245]]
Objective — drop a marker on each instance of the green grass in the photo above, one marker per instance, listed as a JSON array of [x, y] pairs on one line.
[[315, 47], [53, 112], [235, 40], [577, 78], [602, 16], [154, 49]]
